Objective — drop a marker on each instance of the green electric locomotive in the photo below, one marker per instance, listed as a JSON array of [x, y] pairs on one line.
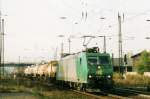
[[86, 69]]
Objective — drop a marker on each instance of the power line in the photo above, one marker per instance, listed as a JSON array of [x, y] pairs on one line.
[[130, 18]]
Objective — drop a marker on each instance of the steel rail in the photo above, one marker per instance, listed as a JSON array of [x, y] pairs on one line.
[[108, 96], [139, 93], [133, 91]]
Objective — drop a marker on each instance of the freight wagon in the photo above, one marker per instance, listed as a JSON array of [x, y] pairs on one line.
[[42, 71]]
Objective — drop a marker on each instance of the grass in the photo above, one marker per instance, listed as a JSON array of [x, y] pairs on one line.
[[131, 80], [37, 90]]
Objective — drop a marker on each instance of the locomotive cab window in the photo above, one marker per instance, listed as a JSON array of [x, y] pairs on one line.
[[92, 60], [104, 59]]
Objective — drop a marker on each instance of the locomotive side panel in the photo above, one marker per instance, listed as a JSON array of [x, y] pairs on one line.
[[82, 70], [67, 69], [71, 69]]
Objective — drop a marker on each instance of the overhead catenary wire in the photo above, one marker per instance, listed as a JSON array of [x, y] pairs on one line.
[[127, 19]]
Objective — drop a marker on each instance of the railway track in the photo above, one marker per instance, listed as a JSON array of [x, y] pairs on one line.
[[116, 93], [134, 91], [127, 91], [100, 95], [93, 95], [97, 94]]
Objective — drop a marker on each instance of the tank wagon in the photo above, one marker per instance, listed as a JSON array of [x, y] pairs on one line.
[[42, 71], [27, 71], [51, 70], [87, 69]]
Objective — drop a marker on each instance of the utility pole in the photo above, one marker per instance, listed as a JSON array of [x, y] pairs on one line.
[[62, 46], [55, 54], [19, 65], [120, 44], [2, 36], [0, 46], [69, 40], [104, 45], [62, 49]]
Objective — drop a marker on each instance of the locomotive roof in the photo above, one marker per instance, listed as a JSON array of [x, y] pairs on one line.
[[87, 53]]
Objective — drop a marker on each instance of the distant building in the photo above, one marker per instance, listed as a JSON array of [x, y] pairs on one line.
[[14, 68], [136, 58], [127, 63]]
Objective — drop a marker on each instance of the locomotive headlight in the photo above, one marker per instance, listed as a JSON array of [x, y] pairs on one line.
[[109, 76], [90, 76], [99, 67]]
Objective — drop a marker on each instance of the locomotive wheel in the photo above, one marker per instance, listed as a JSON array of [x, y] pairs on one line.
[[61, 84], [84, 87], [80, 86], [71, 85]]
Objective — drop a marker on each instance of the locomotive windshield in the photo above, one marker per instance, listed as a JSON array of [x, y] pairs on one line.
[[103, 59], [92, 60], [98, 60]]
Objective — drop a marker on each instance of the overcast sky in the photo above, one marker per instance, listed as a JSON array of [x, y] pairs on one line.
[[32, 26]]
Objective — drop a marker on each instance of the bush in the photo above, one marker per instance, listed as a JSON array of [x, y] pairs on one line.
[[143, 63]]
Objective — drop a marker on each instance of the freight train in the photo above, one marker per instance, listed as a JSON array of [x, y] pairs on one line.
[[42, 71], [86, 69]]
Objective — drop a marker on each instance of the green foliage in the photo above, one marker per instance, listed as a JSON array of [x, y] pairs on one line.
[[143, 64]]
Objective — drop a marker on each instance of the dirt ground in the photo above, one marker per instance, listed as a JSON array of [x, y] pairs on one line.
[[21, 95], [26, 89]]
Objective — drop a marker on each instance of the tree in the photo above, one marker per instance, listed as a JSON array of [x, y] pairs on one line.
[[143, 64]]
